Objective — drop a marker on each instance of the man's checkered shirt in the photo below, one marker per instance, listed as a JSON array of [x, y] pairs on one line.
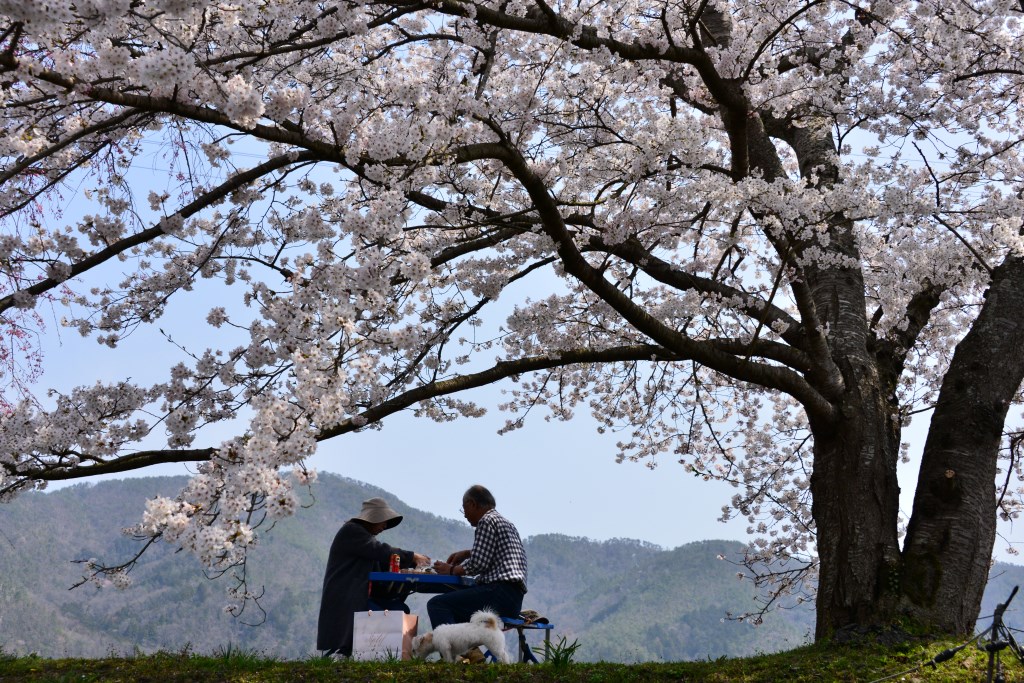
[[497, 553]]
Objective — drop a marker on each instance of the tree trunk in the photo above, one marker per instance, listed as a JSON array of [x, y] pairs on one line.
[[949, 541], [854, 486], [856, 508]]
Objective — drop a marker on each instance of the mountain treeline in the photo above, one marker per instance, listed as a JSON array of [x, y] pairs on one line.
[[622, 600]]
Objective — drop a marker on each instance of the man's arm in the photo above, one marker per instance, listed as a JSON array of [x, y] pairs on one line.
[[458, 557], [485, 548], [453, 563]]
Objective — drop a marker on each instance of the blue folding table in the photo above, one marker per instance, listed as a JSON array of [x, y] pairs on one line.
[[402, 583]]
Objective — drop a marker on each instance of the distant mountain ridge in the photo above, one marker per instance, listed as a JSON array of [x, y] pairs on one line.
[[622, 600]]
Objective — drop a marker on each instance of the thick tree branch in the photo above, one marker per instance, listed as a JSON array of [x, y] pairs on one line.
[[633, 252], [108, 125], [573, 261], [207, 199], [171, 106], [892, 352], [425, 392], [502, 370]]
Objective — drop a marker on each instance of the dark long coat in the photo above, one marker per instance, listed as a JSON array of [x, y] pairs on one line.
[[355, 553]]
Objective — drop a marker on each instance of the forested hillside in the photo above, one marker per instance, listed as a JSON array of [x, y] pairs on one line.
[[623, 600]]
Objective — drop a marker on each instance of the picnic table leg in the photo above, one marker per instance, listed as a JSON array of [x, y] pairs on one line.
[[525, 653]]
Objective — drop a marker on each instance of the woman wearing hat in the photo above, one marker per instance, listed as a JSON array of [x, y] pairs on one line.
[[355, 553]]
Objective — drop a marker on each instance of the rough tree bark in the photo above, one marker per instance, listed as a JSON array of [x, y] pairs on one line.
[[948, 549]]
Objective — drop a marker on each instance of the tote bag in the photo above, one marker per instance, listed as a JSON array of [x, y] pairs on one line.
[[383, 635]]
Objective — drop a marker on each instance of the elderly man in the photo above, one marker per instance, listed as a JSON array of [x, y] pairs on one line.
[[497, 560], [356, 552]]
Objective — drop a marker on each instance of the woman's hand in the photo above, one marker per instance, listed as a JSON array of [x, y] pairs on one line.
[[420, 560]]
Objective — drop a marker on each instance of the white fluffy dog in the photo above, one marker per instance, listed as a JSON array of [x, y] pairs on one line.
[[451, 640]]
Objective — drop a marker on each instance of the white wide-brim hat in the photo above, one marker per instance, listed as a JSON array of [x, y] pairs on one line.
[[376, 510]]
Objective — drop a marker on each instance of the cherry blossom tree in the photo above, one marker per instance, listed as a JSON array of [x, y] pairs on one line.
[[756, 237]]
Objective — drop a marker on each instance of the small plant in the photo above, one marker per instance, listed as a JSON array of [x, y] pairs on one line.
[[559, 654], [385, 655], [391, 656], [232, 654]]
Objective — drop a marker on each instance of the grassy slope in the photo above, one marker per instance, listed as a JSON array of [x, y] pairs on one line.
[[807, 664]]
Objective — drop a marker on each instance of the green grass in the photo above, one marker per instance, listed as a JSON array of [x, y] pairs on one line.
[[814, 663]]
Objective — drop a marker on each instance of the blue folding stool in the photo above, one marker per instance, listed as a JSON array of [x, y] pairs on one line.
[[526, 655]]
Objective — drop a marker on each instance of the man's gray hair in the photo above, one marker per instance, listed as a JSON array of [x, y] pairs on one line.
[[481, 496]]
